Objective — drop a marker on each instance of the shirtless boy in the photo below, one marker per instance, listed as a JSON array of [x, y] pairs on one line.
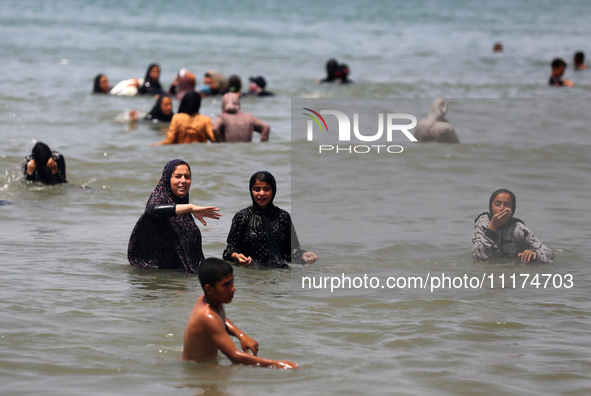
[[208, 330]]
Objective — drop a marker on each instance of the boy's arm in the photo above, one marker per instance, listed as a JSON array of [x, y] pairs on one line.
[[247, 343], [222, 340]]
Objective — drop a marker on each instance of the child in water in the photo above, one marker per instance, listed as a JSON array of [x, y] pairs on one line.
[[558, 66], [208, 330]]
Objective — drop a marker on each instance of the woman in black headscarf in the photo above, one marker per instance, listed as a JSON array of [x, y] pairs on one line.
[[166, 236], [264, 233], [45, 165], [151, 85], [332, 66], [498, 233], [161, 112]]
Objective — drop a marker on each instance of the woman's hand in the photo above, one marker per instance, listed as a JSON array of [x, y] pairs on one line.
[[310, 257], [527, 255], [205, 211], [242, 259]]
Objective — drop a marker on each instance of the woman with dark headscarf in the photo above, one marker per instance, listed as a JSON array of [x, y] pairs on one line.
[[264, 233], [497, 233], [101, 84], [45, 165], [188, 126], [332, 66], [166, 236], [151, 85], [161, 112]]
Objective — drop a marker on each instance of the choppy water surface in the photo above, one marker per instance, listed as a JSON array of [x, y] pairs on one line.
[[75, 318]]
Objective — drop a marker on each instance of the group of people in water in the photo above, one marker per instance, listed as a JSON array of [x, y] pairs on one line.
[[188, 125], [166, 235], [559, 66]]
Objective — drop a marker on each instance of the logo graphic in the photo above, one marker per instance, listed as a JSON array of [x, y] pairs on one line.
[[310, 133], [389, 124]]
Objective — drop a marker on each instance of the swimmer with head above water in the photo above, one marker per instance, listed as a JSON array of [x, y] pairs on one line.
[[498, 234], [208, 330]]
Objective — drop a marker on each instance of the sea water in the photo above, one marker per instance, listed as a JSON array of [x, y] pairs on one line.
[[75, 318]]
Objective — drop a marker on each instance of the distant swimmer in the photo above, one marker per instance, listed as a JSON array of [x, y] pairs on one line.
[[161, 112], [558, 67], [188, 125], [336, 73], [331, 71], [234, 84], [214, 83], [101, 84], [264, 233], [234, 125], [436, 128], [182, 83], [498, 234], [579, 61], [498, 47], [258, 87], [166, 236], [208, 330], [343, 74], [151, 84], [45, 165], [127, 87]]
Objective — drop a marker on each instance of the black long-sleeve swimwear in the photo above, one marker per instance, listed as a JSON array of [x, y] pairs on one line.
[[247, 236]]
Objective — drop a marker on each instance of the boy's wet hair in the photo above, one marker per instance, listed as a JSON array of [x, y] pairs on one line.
[[212, 270], [557, 63]]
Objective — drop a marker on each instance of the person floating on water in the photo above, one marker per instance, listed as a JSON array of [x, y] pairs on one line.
[[498, 234], [436, 128], [166, 236], [234, 125], [44, 165], [208, 330], [558, 66], [263, 233]]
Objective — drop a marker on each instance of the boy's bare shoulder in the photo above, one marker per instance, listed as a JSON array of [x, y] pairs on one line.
[[204, 315]]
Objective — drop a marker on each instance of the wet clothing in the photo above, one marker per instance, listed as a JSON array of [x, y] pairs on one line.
[[512, 239], [151, 86], [162, 239], [185, 128], [41, 154], [186, 83], [248, 236], [436, 128], [156, 114], [266, 235], [234, 125], [556, 81]]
